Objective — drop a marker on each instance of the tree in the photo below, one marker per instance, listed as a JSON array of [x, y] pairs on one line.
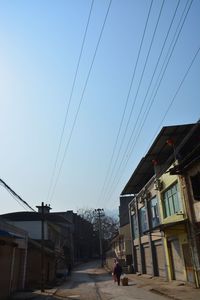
[[109, 224]]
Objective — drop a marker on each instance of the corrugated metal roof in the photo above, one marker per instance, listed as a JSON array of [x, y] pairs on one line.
[[159, 151]]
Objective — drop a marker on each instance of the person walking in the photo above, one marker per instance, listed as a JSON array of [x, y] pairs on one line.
[[114, 264], [69, 267], [117, 272]]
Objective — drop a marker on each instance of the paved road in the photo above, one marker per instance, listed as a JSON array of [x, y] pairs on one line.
[[90, 282]]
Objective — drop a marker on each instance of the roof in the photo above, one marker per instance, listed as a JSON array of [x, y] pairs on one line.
[[159, 151], [34, 216], [7, 234]]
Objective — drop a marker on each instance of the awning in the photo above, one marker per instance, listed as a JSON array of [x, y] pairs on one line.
[[160, 151], [7, 234]]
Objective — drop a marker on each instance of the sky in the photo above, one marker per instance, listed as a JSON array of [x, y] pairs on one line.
[[124, 72]]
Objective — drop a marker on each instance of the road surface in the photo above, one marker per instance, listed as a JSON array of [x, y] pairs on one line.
[[90, 282]]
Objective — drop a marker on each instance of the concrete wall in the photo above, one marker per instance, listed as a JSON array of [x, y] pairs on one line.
[[33, 271], [32, 227], [6, 252]]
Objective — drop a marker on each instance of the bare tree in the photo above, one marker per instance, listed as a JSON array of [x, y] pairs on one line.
[[110, 224]]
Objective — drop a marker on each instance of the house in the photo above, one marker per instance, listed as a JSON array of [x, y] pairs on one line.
[[148, 252], [82, 235], [162, 213], [121, 243], [56, 240], [13, 258], [187, 168]]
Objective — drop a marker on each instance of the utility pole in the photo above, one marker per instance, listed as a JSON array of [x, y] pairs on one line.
[[41, 211], [42, 249], [100, 214]]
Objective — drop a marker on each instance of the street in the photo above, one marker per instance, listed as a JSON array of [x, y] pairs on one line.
[[90, 282]]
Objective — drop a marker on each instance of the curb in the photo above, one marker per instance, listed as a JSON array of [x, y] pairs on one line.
[[155, 291]]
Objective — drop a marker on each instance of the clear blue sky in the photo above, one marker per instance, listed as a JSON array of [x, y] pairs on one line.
[[40, 42]]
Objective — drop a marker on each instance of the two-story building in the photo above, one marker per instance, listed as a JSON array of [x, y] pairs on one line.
[[121, 244], [164, 211]]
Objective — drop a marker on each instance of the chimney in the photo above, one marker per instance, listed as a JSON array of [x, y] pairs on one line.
[[47, 208]]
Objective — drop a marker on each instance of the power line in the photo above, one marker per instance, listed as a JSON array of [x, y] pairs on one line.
[[152, 77], [15, 195], [138, 88], [180, 85], [127, 99], [81, 99], [163, 69], [167, 58], [128, 154], [134, 128], [70, 99], [169, 106]]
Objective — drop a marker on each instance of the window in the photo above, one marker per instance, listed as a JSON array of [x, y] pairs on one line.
[[121, 244], [155, 220], [171, 201], [195, 181], [143, 219], [135, 229]]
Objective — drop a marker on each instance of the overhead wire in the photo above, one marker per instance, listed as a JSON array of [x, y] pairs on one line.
[[19, 202], [163, 69], [136, 95], [153, 75], [175, 95], [167, 58], [147, 92], [81, 99], [126, 103], [180, 85], [16, 196], [127, 156], [69, 101]]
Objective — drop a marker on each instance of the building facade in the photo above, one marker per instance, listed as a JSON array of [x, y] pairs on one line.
[[13, 258], [164, 213]]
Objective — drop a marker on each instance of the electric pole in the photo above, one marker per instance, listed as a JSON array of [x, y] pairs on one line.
[[41, 211], [42, 250], [100, 213]]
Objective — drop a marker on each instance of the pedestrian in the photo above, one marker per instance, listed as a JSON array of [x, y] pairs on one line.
[[69, 267], [114, 264], [117, 272]]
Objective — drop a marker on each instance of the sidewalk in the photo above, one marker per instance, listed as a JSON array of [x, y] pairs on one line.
[[37, 295], [173, 290]]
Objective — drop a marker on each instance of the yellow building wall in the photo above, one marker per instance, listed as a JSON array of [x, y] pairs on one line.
[[168, 180], [178, 231], [182, 238]]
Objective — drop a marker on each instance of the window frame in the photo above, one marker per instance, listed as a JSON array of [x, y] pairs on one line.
[[154, 209], [195, 186], [135, 227], [143, 221], [172, 203]]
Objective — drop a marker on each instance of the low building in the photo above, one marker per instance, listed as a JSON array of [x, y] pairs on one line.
[[13, 258], [82, 235], [121, 244], [56, 239]]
